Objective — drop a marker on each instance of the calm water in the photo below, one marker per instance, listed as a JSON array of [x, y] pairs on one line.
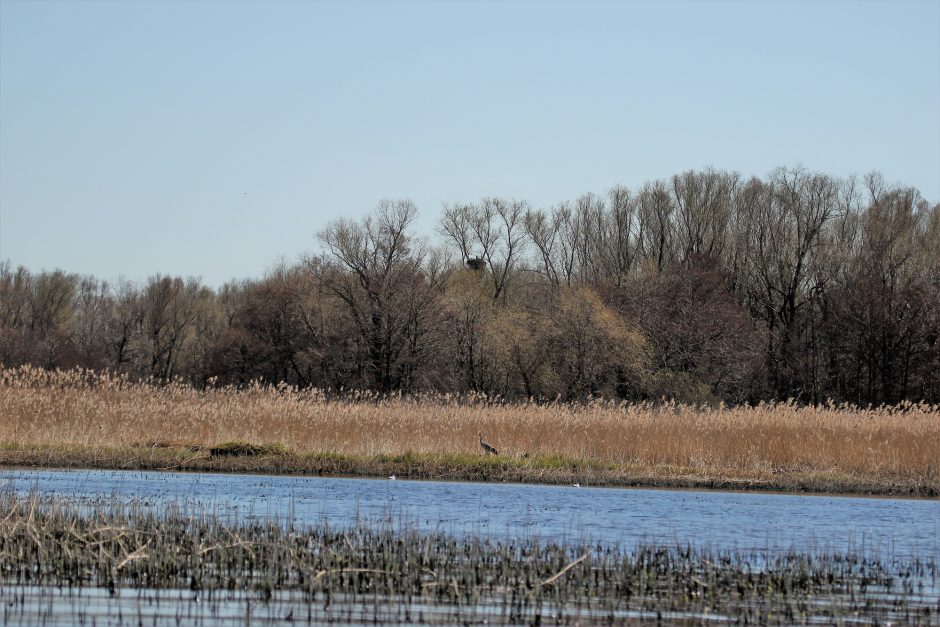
[[892, 527]]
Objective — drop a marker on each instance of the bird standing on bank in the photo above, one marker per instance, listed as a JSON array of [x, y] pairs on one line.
[[486, 447]]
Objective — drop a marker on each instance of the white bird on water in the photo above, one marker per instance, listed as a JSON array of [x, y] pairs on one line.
[[391, 478]]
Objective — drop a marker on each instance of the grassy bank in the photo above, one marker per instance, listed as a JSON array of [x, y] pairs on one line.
[[547, 470], [92, 420], [396, 575]]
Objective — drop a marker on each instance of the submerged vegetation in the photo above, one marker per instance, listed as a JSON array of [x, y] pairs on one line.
[[214, 568], [80, 418]]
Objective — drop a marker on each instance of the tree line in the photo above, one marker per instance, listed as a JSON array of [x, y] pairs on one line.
[[703, 287]]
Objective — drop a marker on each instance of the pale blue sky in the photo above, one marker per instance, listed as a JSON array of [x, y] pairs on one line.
[[212, 139]]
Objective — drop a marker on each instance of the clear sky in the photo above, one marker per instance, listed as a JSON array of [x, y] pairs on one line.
[[213, 139]]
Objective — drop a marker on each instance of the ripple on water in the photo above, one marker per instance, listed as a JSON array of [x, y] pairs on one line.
[[720, 520]]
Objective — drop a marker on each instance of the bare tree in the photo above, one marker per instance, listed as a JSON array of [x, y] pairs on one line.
[[91, 303], [374, 268], [50, 301], [51, 307], [169, 309], [15, 290], [585, 242], [616, 239], [492, 230], [656, 207], [879, 318], [786, 226], [703, 344], [123, 326], [543, 230], [791, 285], [703, 203], [560, 241], [15, 287], [468, 310]]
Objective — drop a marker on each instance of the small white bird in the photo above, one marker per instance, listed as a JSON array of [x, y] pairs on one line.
[[576, 485], [391, 478]]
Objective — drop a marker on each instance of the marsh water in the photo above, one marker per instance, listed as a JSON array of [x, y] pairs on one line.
[[887, 527], [880, 528]]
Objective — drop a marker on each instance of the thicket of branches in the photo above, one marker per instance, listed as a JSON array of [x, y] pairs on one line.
[[702, 287]]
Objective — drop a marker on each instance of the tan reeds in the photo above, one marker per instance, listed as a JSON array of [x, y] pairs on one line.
[[86, 409]]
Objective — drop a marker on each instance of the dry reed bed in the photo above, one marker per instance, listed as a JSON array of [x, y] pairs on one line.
[[99, 412]]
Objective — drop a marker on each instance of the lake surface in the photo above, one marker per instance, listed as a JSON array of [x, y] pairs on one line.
[[611, 516]]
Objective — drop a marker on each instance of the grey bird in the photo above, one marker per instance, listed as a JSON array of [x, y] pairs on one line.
[[486, 447]]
